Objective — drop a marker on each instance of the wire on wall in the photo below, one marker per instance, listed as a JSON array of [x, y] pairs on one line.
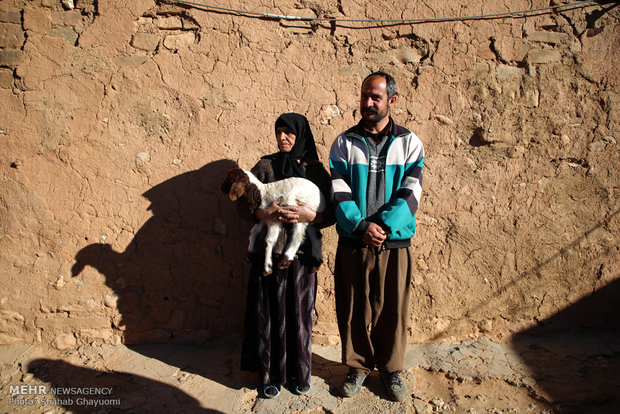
[[339, 21]]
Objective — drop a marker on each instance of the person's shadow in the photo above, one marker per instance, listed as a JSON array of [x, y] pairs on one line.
[[118, 391], [183, 277], [573, 355]]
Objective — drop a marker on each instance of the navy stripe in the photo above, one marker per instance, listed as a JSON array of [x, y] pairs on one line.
[[342, 196], [407, 195]]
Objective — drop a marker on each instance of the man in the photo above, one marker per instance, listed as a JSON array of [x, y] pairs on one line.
[[376, 169]]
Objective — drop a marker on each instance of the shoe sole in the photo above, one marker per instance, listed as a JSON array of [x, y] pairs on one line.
[[269, 387], [302, 392], [348, 395]]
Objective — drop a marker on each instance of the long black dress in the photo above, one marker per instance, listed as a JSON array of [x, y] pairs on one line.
[[277, 340]]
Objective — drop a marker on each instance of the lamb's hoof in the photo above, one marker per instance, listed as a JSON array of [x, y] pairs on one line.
[[267, 272], [315, 269], [285, 264]]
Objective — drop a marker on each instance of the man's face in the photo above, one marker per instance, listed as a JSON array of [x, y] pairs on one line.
[[374, 102]]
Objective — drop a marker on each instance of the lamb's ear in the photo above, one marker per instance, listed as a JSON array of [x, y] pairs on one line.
[[236, 190], [225, 188], [228, 181]]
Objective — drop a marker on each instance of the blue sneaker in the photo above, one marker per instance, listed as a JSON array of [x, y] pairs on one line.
[[302, 390], [271, 390]]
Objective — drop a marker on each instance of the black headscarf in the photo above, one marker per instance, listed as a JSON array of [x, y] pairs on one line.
[[304, 147]]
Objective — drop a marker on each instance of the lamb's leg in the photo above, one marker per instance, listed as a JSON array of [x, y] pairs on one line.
[[297, 237], [273, 231], [253, 236]]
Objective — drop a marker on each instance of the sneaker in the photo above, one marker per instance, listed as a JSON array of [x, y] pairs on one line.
[[397, 391], [302, 390], [271, 390], [352, 385]]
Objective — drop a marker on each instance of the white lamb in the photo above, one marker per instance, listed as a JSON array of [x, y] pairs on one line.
[[241, 183]]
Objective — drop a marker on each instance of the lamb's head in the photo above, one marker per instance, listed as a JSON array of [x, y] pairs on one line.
[[237, 185], [234, 184]]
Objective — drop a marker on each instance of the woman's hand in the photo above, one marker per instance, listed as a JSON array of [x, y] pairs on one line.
[[271, 212], [300, 213]]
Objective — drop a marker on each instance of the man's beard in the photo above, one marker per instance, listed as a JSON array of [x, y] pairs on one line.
[[373, 115]]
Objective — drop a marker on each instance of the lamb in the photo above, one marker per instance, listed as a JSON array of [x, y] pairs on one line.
[[241, 183]]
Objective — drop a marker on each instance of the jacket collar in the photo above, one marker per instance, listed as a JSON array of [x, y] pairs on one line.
[[395, 130]]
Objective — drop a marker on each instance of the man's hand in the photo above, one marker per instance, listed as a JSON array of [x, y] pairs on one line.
[[374, 235]]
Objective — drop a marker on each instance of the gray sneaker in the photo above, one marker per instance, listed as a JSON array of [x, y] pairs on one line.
[[352, 385], [396, 388]]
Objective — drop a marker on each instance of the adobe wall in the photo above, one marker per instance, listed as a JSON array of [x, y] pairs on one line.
[[119, 120]]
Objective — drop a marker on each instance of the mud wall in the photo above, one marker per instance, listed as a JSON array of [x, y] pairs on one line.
[[119, 119]]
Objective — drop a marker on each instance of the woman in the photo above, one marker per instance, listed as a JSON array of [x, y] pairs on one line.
[[277, 340]]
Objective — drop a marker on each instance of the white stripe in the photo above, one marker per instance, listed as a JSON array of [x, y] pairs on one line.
[[404, 149], [413, 184], [417, 193], [340, 186], [410, 183], [357, 152], [396, 153]]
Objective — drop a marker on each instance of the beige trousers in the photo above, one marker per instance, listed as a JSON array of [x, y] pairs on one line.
[[372, 306]]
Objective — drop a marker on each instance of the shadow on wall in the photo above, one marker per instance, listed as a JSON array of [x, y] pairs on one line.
[[574, 355], [526, 278], [123, 392], [175, 280]]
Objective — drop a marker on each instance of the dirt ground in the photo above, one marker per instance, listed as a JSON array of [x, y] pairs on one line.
[[561, 373]]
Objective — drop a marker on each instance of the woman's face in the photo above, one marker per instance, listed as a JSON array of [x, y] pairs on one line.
[[286, 138]]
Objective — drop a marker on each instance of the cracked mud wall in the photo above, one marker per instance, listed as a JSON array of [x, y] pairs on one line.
[[118, 121]]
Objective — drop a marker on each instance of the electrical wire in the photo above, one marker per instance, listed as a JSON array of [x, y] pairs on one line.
[[515, 14]]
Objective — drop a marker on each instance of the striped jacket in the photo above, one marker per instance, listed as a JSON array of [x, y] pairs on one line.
[[348, 162]]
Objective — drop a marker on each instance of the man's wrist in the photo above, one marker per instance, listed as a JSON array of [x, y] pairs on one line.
[[361, 228]]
